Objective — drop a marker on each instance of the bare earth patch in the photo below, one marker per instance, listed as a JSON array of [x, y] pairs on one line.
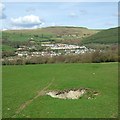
[[73, 93]]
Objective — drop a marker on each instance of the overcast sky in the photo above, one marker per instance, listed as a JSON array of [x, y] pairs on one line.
[[95, 15]]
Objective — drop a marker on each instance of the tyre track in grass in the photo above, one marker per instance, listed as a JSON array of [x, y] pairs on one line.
[[28, 102]]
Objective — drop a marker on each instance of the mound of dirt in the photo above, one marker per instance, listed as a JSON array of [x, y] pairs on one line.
[[73, 93]]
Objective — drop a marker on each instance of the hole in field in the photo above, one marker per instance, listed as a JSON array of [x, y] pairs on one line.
[[74, 93]]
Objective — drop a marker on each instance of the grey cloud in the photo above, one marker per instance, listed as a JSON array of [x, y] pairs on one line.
[[2, 9]]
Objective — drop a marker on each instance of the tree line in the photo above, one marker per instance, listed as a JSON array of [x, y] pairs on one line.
[[93, 57]]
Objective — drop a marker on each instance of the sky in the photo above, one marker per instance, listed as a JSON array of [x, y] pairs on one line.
[[26, 15]]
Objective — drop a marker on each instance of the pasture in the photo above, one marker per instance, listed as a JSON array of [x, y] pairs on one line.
[[22, 83]]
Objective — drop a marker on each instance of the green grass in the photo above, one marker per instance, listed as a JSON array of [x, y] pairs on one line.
[[21, 36], [6, 48], [109, 36], [21, 83]]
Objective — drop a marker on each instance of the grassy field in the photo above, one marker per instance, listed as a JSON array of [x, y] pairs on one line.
[[21, 83]]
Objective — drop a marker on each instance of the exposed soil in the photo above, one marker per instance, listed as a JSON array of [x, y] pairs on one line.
[[63, 94], [73, 93]]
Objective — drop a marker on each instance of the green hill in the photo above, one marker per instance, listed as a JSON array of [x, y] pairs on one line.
[[62, 34], [109, 36], [56, 33]]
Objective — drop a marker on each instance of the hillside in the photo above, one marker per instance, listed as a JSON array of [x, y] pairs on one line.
[[58, 41], [60, 34], [109, 36], [48, 33]]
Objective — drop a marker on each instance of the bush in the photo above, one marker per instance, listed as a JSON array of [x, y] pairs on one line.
[[93, 57]]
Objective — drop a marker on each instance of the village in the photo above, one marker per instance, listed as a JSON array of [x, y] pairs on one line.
[[47, 49], [51, 49]]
